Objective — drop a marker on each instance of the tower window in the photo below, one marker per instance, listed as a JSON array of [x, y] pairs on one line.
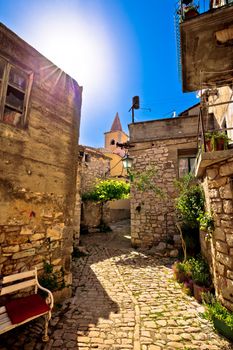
[[112, 142]]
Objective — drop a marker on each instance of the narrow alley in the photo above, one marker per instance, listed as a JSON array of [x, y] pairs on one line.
[[122, 299]]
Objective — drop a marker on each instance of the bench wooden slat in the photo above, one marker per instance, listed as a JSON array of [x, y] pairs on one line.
[[18, 276], [8, 325], [18, 286], [5, 325], [4, 318], [2, 310]]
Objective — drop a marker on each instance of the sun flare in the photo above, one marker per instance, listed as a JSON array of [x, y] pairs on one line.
[[82, 50]]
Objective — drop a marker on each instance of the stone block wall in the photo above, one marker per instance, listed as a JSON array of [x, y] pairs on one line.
[[153, 218], [35, 231], [219, 251], [93, 165]]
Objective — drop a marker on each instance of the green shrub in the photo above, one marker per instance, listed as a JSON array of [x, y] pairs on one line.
[[200, 271], [206, 222], [190, 200], [108, 190], [216, 310]]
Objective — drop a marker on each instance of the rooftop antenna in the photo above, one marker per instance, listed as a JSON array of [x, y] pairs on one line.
[[135, 105]]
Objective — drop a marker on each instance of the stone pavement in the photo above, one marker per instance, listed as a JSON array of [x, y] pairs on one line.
[[122, 299]]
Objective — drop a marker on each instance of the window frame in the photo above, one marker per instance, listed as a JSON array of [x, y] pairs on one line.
[[186, 154], [7, 84]]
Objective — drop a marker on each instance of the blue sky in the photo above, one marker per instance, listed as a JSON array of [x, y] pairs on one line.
[[115, 49]]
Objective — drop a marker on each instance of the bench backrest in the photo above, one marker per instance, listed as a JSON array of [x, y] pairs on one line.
[[18, 281]]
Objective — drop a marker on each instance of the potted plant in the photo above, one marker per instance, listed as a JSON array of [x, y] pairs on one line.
[[182, 271], [201, 277], [206, 222], [221, 317], [190, 11], [216, 141], [179, 271]]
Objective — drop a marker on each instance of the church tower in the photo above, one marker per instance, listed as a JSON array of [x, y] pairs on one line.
[[116, 134]]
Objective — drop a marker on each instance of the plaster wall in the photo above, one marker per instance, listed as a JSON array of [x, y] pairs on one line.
[[38, 167]]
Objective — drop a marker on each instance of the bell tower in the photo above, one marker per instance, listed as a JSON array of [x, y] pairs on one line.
[[116, 134]]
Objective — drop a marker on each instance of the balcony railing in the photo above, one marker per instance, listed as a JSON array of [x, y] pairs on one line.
[[209, 153], [187, 9]]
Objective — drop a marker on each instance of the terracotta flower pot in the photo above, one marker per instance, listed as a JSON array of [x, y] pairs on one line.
[[209, 146], [179, 276], [198, 290], [220, 143]]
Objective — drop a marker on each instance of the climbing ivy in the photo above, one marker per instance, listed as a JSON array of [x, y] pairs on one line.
[[144, 181]]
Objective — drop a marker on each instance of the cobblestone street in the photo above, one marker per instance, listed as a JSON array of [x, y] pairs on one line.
[[122, 299]]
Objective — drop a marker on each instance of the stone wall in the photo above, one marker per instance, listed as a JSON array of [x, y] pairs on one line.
[[219, 251], [93, 165], [38, 167], [112, 212], [119, 210], [153, 218]]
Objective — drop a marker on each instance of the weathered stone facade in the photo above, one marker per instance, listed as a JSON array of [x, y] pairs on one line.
[[219, 250], [153, 218], [38, 165], [215, 169], [93, 165]]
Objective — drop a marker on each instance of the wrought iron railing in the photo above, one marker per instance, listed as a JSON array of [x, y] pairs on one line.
[[186, 9]]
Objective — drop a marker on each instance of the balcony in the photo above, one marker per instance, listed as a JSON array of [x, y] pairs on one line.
[[206, 44], [214, 146]]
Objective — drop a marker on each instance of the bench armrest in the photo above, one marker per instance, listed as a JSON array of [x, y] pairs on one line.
[[49, 299]]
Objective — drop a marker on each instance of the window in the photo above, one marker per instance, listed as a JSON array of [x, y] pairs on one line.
[[14, 92], [186, 161], [112, 142], [87, 158], [186, 165]]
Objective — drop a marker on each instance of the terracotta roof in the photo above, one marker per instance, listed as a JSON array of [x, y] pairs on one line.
[[116, 125]]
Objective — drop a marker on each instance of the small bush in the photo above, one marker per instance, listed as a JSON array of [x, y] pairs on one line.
[[200, 271], [190, 200], [216, 310]]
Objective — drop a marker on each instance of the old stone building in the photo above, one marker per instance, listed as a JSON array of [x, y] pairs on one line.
[[40, 110], [168, 146], [206, 58], [93, 165], [215, 171]]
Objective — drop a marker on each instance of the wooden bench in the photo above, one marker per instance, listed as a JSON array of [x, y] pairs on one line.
[[18, 311]]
